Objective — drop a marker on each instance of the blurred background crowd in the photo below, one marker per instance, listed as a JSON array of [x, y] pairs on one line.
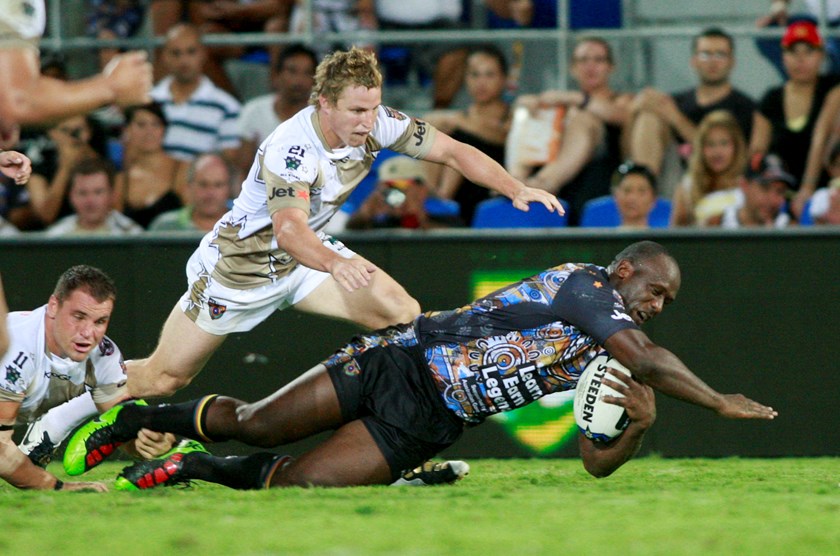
[[634, 113]]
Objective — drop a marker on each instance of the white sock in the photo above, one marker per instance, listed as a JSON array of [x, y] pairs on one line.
[[59, 422]]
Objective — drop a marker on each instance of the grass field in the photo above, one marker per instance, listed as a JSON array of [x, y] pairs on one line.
[[650, 506]]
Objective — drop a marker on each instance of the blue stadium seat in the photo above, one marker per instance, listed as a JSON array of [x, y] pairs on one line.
[[444, 208], [602, 212], [499, 212]]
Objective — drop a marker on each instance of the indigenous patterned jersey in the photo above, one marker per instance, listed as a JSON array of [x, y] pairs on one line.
[[522, 342], [39, 380], [294, 167]]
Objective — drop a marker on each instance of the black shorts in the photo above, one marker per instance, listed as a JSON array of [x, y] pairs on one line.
[[391, 390]]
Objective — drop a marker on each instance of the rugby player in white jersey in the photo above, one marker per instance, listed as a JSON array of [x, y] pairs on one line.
[[270, 253], [59, 353]]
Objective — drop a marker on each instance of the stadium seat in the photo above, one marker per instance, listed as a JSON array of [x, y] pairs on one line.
[[499, 212], [602, 212], [444, 208]]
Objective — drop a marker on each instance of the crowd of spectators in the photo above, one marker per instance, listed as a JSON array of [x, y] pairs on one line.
[[175, 163]]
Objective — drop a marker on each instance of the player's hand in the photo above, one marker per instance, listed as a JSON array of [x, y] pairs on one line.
[[638, 400], [737, 406], [150, 444], [16, 166], [129, 76], [352, 274], [527, 195], [89, 486]]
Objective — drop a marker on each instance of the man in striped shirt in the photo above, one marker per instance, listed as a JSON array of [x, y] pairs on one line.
[[202, 117]]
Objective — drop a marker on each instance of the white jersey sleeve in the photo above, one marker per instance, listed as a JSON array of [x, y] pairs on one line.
[[22, 23], [403, 134], [109, 373]]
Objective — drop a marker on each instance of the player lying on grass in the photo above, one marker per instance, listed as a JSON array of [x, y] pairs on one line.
[[398, 396], [56, 353]]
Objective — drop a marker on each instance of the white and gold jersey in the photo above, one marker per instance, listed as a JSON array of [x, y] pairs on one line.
[[39, 380], [294, 167], [22, 22]]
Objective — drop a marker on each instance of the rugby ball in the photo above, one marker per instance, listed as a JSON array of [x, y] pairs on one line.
[[597, 419]]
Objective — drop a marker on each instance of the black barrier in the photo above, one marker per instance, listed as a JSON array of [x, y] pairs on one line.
[[755, 315]]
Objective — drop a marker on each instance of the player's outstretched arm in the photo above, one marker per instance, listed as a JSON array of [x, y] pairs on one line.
[[483, 170], [27, 97], [291, 228], [663, 371], [601, 459], [18, 470]]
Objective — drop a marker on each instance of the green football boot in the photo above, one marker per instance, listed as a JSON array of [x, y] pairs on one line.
[[97, 439]]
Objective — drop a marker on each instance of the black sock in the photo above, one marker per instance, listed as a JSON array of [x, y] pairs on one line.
[[239, 472], [186, 419]]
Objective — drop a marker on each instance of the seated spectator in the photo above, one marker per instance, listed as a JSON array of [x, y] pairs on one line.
[[765, 190], [592, 128], [399, 199], [718, 159], [333, 16], [54, 64], [211, 181], [444, 62], [789, 113], [634, 192], [91, 196], [291, 79], [123, 17], [15, 208], [484, 125], [779, 16], [70, 141], [220, 16], [241, 16], [201, 116], [534, 14], [658, 116], [108, 20], [152, 182], [825, 203]]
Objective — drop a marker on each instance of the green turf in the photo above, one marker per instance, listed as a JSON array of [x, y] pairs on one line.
[[650, 506]]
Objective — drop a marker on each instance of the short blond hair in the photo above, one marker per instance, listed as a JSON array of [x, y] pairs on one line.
[[342, 69]]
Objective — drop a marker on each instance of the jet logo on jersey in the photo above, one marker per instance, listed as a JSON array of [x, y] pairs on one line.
[[420, 132], [281, 192]]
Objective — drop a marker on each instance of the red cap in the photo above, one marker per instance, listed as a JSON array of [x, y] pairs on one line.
[[802, 31]]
